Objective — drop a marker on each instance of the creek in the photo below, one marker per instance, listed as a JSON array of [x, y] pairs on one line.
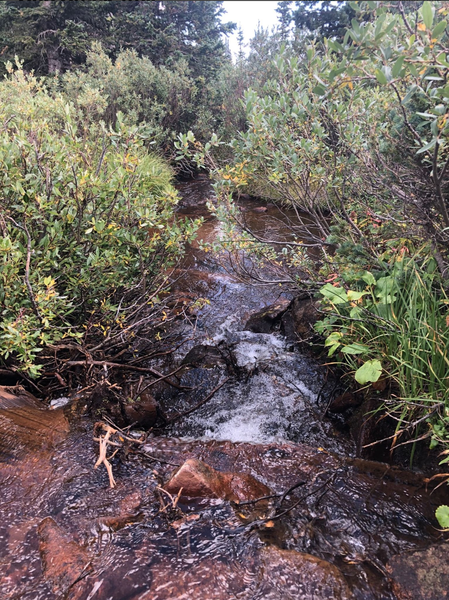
[[351, 528]]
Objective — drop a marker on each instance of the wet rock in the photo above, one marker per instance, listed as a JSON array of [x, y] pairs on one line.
[[271, 574], [143, 412], [25, 425], [264, 320], [344, 402], [421, 575], [290, 574], [128, 512], [298, 321], [63, 560], [367, 426], [198, 480], [206, 357]]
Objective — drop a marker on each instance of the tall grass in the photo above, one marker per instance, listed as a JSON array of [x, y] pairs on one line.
[[401, 320]]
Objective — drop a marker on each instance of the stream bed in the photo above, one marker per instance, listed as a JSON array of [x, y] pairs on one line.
[[348, 527]]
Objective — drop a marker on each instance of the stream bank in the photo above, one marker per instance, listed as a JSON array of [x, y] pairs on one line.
[[349, 528]]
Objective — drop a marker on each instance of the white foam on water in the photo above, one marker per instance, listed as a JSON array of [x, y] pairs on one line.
[[258, 411]]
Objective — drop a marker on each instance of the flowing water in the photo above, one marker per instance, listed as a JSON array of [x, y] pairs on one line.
[[65, 534]]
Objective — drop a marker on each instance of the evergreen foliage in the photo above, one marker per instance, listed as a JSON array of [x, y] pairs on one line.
[[55, 35]]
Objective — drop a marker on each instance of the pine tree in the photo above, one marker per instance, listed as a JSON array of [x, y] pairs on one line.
[[55, 35]]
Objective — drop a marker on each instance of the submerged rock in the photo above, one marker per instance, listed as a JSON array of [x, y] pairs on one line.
[[269, 574], [288, 574], [422, 575], [264, 320], [63, 560], [143, 412], [197, 479]]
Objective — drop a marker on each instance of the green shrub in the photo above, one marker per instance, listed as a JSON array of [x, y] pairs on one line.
[[88, 223], [393, 322]]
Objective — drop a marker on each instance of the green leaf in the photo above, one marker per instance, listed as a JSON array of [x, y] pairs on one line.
[[442, 515], [368, 278], [334, 294], [334, 338], [427, 14], [425, 115], [438, 29], [370, 371], [380, 76], [397, 66], [352, 296], [409, 94], [319, 90], [428, 146], [355, 349]]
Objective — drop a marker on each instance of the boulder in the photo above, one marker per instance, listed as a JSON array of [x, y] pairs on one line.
[[421, 575], [204, 356], [198, 480], [143, 412], [264, 320], [301, 317], [26, 425]]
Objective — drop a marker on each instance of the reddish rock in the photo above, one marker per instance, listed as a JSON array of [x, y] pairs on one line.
[[198, 480], [421, 575], [288, 574], [128, 512], [25, 425], [143, 412], [63, 560], [264, 320]]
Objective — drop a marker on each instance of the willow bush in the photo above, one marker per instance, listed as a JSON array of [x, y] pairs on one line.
[[87, 220]]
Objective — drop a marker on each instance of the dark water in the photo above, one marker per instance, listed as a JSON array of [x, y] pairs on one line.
[[266, 420]]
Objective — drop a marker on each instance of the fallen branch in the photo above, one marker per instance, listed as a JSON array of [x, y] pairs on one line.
[[102, 458], [112, 365]]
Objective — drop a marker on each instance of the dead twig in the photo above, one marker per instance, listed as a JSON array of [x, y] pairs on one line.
[[102, 458], [113, 365]]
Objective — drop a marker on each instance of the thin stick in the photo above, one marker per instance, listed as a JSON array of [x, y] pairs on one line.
[[112, 365]]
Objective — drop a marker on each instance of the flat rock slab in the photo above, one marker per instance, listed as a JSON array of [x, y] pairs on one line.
[[26, 425], [63, 560]]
